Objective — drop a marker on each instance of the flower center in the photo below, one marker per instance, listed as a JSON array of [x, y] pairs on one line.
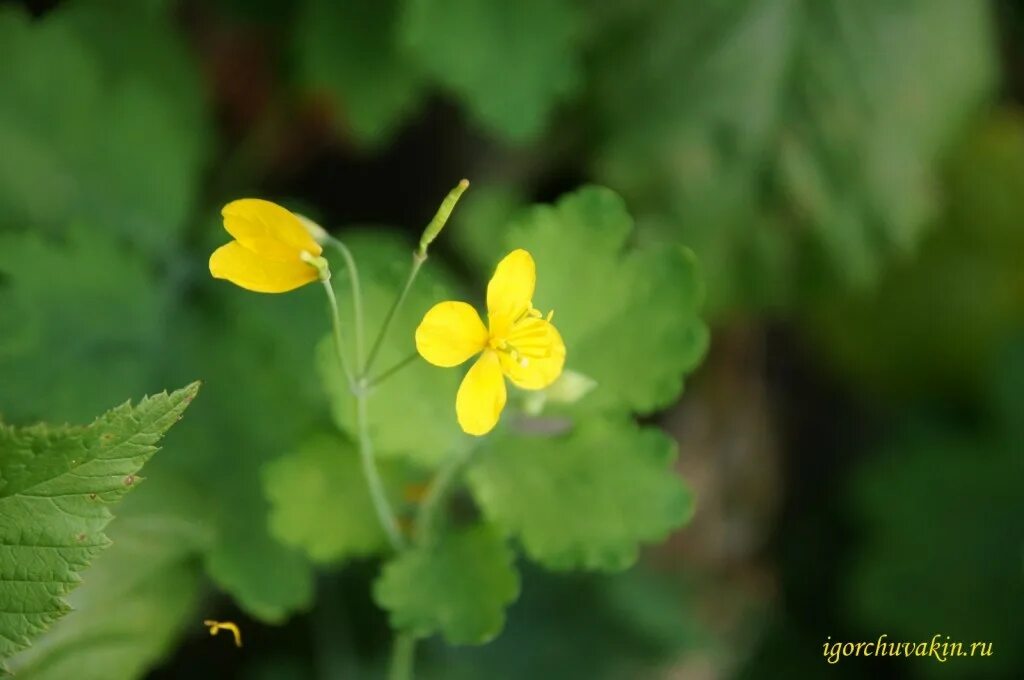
[[527, 338]]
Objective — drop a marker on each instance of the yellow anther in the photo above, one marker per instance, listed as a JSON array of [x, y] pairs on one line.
[[217, 626]]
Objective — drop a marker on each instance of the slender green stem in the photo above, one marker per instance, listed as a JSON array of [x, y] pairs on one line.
[[385, 515], [376, 380], [357, 298], [403, 657], [339, 345], [417, 262]]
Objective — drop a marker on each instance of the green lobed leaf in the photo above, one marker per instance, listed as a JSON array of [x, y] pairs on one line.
[[637, 331], [56, 485], [510, 62], [412, 414], [83, 287], [140, 597], [348, 52], [458, 587], [319, 501], [119, 142], [586, 499]]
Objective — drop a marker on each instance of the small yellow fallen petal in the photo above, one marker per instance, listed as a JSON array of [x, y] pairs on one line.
[[217, 626]]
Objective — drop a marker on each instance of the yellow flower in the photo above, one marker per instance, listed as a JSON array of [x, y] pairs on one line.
[[272, 251], [518, 343]]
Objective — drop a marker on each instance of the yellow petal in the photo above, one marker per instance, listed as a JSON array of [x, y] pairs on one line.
[[268, 230], [540, 354], [510, 290], [450, 333], [481, 396], [244, 268]]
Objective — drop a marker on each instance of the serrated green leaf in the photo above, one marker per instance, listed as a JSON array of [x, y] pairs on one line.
[[637, 331], [412, 414], [586, 499], [458, 587], [320, 502], [117, 143], [348, 51], [139, 597], [55, 488], [811, 158], [511, 63], [82, 287]]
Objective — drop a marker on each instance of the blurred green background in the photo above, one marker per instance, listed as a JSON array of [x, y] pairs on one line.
[[849, 173]]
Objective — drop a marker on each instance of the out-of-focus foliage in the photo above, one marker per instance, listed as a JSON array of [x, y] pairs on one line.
[[790, 144], [510, 63], [56, 486], [940, 320], [324, 478], [86, 115], [632, 625], [919, 572], [82, 286], [348, 50]]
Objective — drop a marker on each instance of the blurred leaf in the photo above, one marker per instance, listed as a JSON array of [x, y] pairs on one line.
[[348, 51], [64, 339], [629, 625], [938, 324], [320, 502], [511, 63], [412, 414], [458, 587], [817, 122], [56, 486], [586, 499], [118, 142], [637, 330], [941, 516], [139, 596], [255, 353]]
